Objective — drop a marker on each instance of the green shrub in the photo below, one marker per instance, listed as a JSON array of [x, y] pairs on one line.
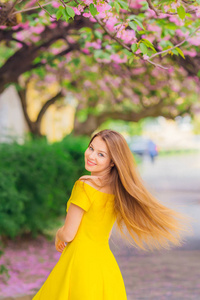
[[36, 181]]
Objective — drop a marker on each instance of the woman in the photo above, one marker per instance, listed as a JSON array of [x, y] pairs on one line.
[[87, 269]]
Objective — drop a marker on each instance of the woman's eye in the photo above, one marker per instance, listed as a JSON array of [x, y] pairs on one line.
[[90, 148], [101, 154]]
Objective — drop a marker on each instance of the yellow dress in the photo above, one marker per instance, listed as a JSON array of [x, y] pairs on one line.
[[87, 269]]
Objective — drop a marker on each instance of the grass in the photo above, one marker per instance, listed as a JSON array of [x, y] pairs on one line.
[[178, 152]]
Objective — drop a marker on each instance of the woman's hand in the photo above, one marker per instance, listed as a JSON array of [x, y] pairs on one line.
[[60, 245]]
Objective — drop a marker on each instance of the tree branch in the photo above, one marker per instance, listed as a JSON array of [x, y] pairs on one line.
[[31, 8], [22, 96], [113, 36], [42, 7], [179, 44], [46, 106], [9, 12], [152, 7]]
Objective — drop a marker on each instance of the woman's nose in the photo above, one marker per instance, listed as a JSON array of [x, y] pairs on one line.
[[92, 155]]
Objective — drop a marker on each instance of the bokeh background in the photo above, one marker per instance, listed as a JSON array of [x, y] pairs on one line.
[[60, 82]]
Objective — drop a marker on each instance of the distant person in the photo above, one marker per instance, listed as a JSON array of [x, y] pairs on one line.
[[152, 150], [87, 269]]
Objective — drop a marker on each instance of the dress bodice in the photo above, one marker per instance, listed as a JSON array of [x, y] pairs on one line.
[[99, 216]]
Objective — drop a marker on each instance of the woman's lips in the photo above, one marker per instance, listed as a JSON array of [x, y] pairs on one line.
[[90, 163]]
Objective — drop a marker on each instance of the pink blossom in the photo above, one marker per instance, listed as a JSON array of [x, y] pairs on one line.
[[35, 38], [179, 32], [145, 56], [25, 25], [150, 13], [138, 51], [37, 29], [53, 25], [80, 8], [108, 47], [92, 20], [154, 28], [87, 15], [176, 20], [198, 12], [191, 52], [88, 2], [19, 45], [77, 12], [86, 51], [42, 13], [29, 271], [176, 4], [138, 71], [16, 27], [195, 40], [171, 70], [116, 58], [127, 35], [111, 23], [102, 7], [136, 4], [55, 4], [30, 3], [55, 51], [20, 36], [100, 60]]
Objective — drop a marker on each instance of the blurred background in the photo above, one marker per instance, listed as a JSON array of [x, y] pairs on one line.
[[53, 97]]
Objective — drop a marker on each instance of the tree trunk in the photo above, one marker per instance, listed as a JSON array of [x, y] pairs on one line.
[[35, 127], [93, 122]]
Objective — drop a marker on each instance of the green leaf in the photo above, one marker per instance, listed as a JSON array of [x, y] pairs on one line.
[[136, 20], [148, 44], [85, 29], [93, 10], [98, 34], [70, 11], [134, 47], [131, 60], [117, 6], [180, 52], [181, 12], [59, 12], [139, 23], [76, 61], [133, 25], [123, 4], [198, 74], [143, 48], [174, 51], [65, 15], [128, 53]]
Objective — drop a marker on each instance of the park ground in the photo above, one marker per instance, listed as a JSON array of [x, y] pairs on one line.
[[168, 274]]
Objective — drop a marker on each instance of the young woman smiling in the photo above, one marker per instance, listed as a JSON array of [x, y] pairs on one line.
[[87, 269]]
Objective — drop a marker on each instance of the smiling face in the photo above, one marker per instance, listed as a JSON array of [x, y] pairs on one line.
[[97, 157]]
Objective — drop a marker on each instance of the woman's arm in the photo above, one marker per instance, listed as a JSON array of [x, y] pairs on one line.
[[72, 222]]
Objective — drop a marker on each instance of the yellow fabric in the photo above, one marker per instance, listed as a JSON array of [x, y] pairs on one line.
[[87, 269]]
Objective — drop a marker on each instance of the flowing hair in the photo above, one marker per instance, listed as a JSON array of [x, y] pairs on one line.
[[149, 223]]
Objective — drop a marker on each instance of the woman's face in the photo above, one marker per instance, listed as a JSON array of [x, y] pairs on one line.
[[97, 157]]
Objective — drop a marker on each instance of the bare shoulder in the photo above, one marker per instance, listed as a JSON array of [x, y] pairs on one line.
[[95, 182], [91, 180]]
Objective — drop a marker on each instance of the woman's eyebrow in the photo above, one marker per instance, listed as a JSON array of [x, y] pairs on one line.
[[98, 150]]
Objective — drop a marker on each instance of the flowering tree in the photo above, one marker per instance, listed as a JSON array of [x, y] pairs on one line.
[[113, 92], [118, 37]]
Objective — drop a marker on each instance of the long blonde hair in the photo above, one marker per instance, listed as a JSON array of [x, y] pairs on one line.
[[149, 223]]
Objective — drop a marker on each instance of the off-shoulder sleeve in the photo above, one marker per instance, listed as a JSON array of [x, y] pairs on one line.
[[79, 196]]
